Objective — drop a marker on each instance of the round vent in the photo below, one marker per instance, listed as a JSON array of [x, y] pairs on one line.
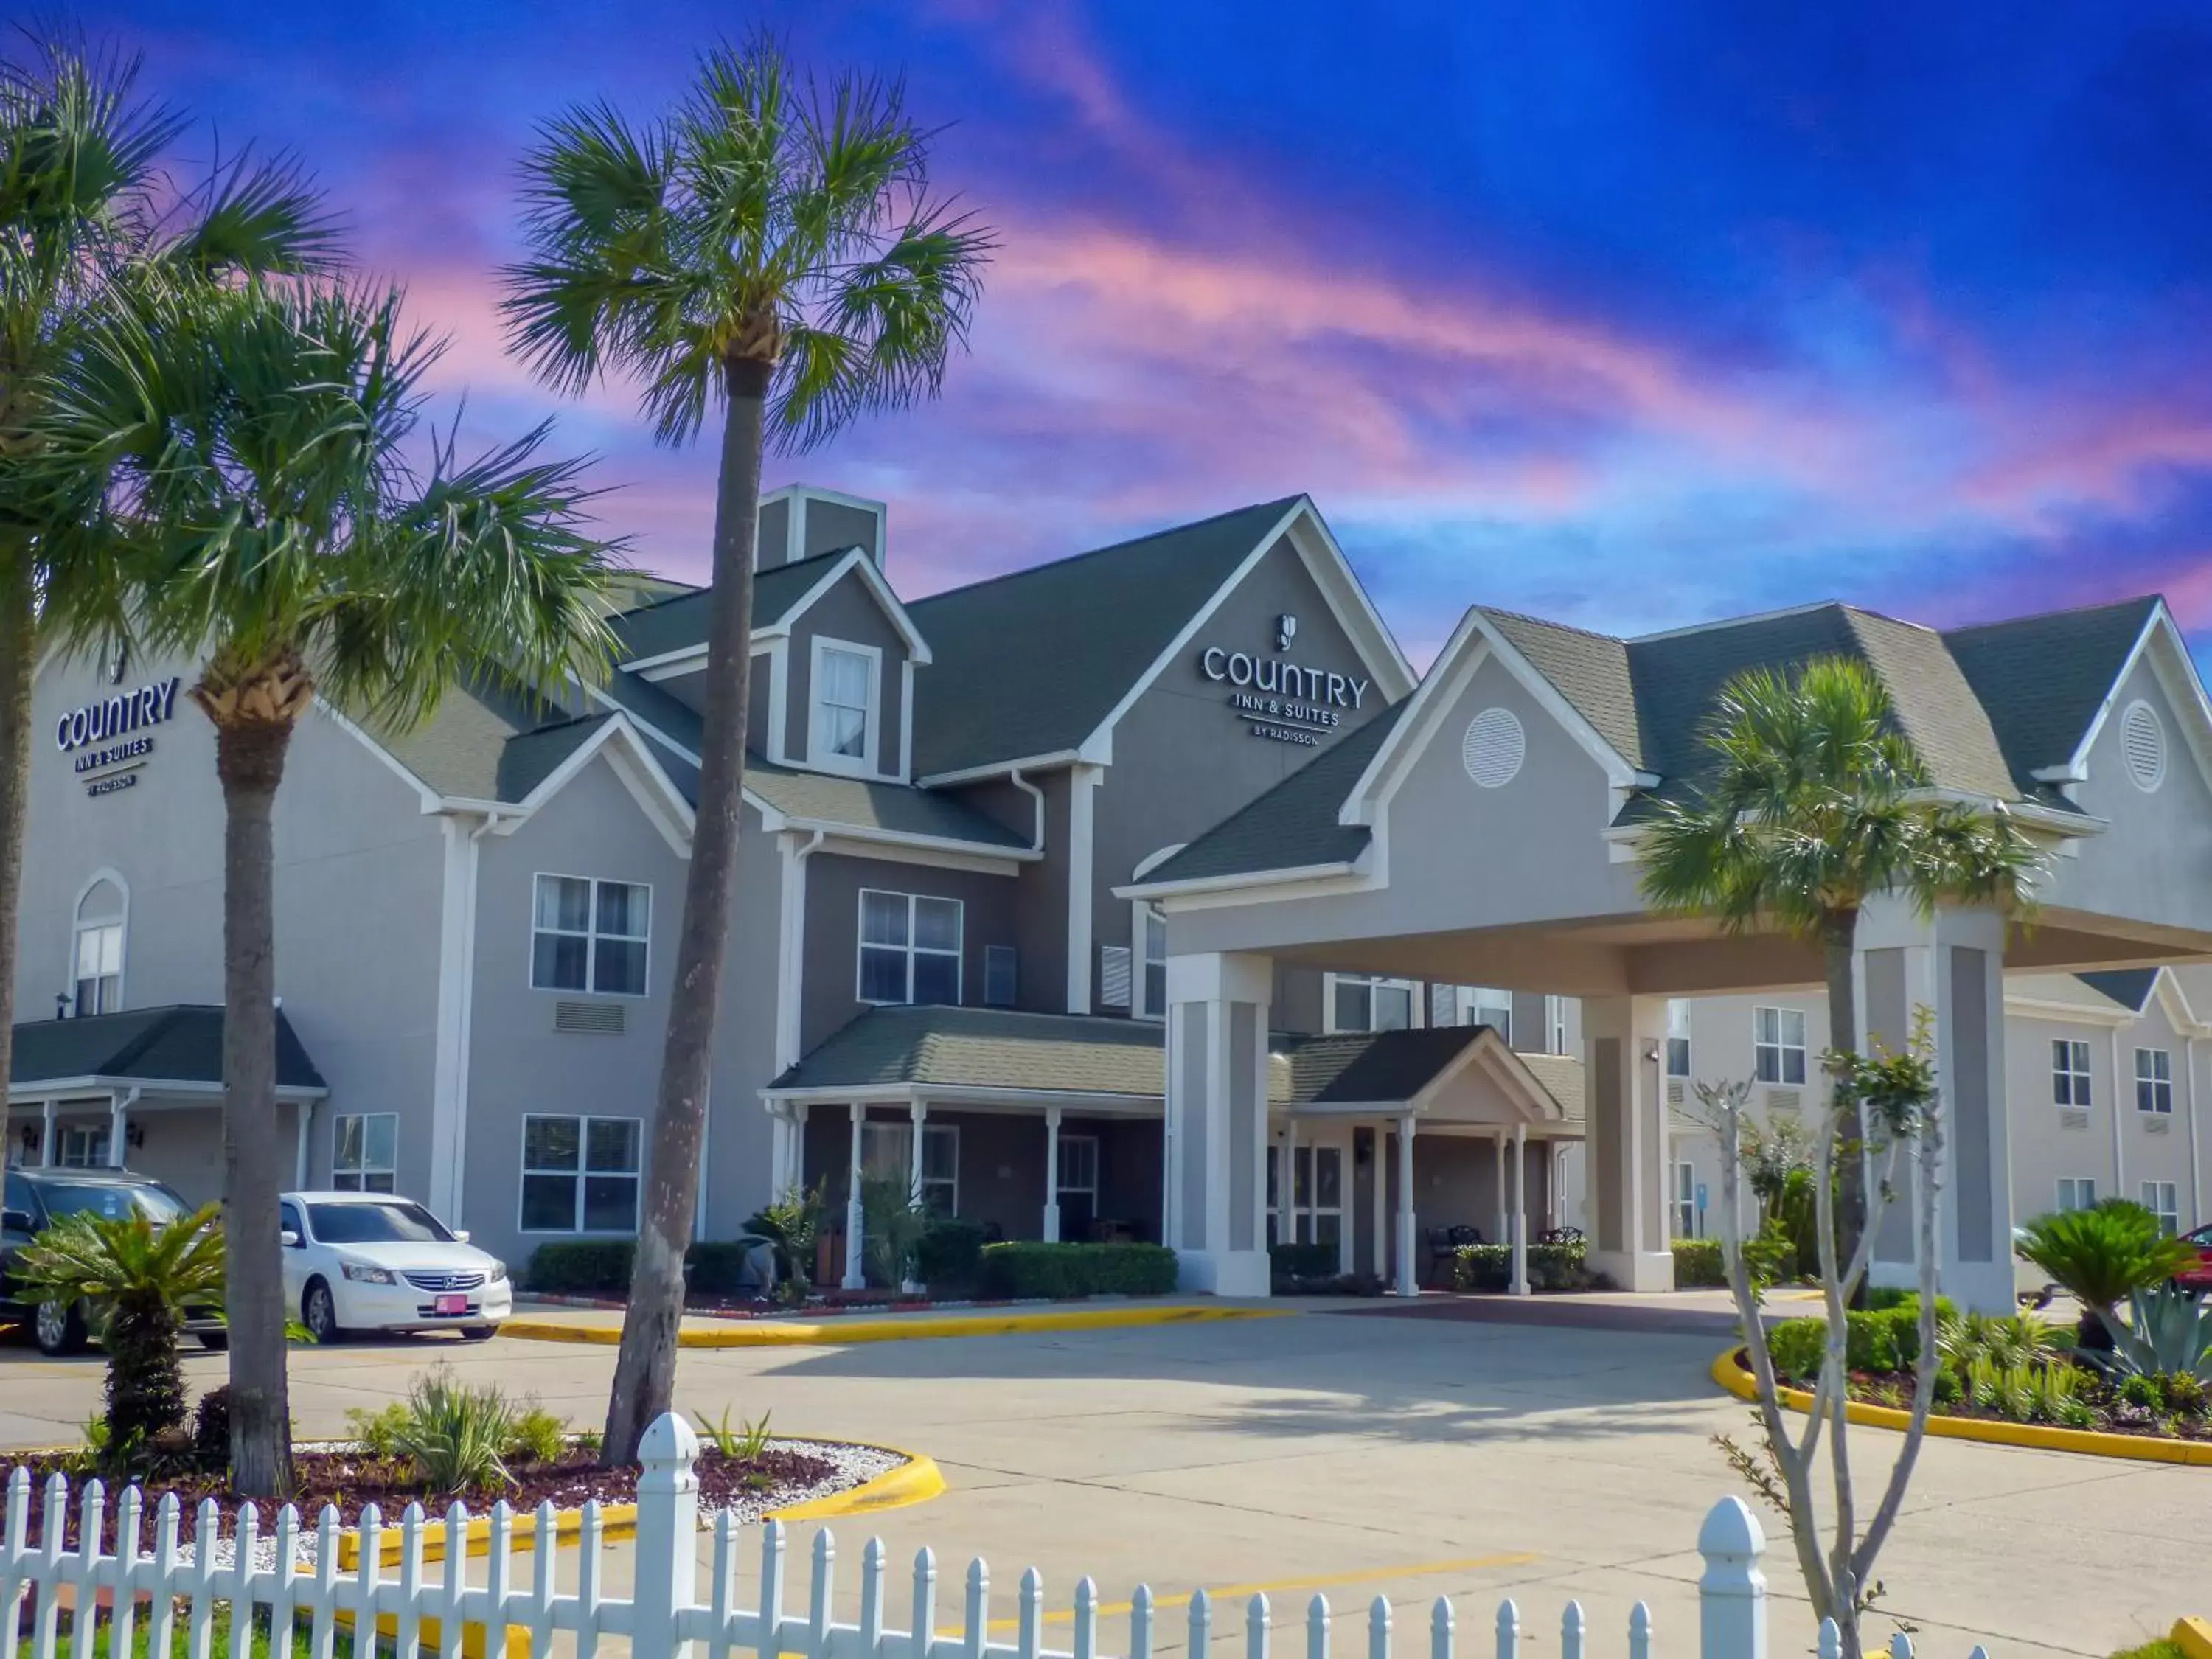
[[1492, 750], [2142, 742]]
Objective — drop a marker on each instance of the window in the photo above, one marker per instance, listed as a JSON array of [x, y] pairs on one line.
[[580, 1175], [1685, 1200], [96, 949], [365, 1154], [844, 707], [1677, 1036], [1488, 1006], [887, 1152], [1078, 1195], [1777, 1044], [1000, 980], [2069, 1072], [2155, 1081], [2076, 1193], [2161, 1199], [1153, 938], [590, 936], [1555, 1025], [910, 948], [1363, 1002], [83, 1146]]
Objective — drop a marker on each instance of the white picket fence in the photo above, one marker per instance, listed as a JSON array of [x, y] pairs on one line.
[[662, 1618]]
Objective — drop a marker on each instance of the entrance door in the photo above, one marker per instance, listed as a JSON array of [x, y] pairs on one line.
[[1319, 1190]]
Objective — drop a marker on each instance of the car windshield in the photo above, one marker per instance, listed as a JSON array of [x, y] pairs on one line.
[[397, 1222], [113, 1200]]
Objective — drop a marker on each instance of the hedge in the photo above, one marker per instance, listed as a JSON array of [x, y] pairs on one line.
[[601, 1266], [1698, 1264], [1024, 1270], [1551, 1266], [949, 1256], [1880, 1339]]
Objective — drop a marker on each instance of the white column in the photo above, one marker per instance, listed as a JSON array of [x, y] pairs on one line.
[[779, 1148], [2123, 1099], [918, 1113], [797, 1178], [1378, 1183], [1499, 1233], [115, 1127], [303, 1135], [2196, 1169], [1408, 1261], [855, 1269], [46, 1137], [1052, 1175], [1624, 1039], [1520, 1209], [1290, 1185], [1217, 1120]]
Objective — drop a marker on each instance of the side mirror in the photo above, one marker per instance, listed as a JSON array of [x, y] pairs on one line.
[[288, 1239], [15, 1221], [460, 1235]]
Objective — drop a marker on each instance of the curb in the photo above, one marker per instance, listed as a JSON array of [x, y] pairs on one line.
[[1729, 1373], [2193, 1637], [765, 1333], [914, 1481]]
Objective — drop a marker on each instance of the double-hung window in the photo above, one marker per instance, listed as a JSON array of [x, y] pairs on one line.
[[96, 950], [2162, 1199], [910, 948], [1488, 1005], [580, 1175], [1152, 941], [887, 1154], [590, 936], [2155, 1081], [2076, 1193], [1777, 1045], [844, 714], [83, 1146], [1363, 1002], [365, 1152], [1677, 1036], [2069, 1072], [1555, 1025], [1685, 1200]]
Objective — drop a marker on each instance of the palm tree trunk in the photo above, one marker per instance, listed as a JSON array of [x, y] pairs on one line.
[[250, 761], [18, 658], [1838, 943], [645, 1367]]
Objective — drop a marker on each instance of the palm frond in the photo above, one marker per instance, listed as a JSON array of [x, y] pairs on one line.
[[255, 218]]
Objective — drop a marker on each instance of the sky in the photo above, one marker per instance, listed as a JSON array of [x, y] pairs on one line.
[[1627, 315]]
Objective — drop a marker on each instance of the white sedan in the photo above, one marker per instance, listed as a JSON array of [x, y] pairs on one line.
[[369, 1262]]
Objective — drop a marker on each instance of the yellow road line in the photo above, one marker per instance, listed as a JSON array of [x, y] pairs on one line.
[[1324, 1581]]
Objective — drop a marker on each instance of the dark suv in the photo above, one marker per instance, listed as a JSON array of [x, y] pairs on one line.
[[35, 1200]]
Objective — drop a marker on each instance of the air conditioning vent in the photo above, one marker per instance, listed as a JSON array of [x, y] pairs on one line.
[[1674, 1092], [2157, 1123], [1785, 1100], [1114, 976], [595, 1018], [2073, 1120]]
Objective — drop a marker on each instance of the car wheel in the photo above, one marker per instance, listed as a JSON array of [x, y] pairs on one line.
[[58, 1327], [214, 1341], [479, 1333], [319, 1312]]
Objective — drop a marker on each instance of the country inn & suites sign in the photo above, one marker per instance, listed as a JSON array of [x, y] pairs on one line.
[[1279, 699], [98, 735]]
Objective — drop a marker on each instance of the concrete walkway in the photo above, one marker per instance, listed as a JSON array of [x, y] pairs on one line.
[[1357, 1455]]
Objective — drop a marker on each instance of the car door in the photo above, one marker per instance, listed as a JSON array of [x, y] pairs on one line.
[[291, 1220], [22, 1221]]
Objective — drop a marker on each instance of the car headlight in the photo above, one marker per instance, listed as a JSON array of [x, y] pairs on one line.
[[362, 1273], [498, 1272]]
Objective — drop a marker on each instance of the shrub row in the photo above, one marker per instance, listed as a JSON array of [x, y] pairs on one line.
[[1551, 1267], [1698, 1264], [1023, 1270], [1880, 1339], [948, 1257], [601, 1266]]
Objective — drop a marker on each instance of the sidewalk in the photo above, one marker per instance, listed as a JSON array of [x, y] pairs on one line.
[[545, 1323]]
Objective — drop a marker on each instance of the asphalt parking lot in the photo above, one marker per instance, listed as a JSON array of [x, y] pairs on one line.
[[1355, 1454]]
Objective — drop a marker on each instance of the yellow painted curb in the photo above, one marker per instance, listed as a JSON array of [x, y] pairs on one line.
[[837, 1333], [2090, 1442], [914, 1481], [2193, 1637]]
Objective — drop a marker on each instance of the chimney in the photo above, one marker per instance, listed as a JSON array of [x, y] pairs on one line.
[[800, 521]]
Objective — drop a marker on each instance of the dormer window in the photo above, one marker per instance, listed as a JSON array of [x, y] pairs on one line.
[[843, 733]]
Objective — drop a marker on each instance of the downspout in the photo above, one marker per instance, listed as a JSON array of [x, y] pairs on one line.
[[2120, 1160], [1036, 796]]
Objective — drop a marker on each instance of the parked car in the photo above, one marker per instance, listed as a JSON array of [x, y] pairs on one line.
[[2031, 1285], [373, 1262], [34, 1200], [2197, 1278]]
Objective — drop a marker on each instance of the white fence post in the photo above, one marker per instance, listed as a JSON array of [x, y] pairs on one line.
[[667, 1538], [1732, 1594]]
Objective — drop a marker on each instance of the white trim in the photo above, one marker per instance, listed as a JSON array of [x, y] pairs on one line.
[[861, 945], [1233, 884], [1082, 881], [2174, 665], [591, 937], [874, 581], [904, 773], [922, 851], [999, 768], [790, 944], [953, 1097], [864, 765], [93, 1083], [797, 494], [1330, 980], [2071, 1013], [779, 701], [617, 728], [449, 1077], [79, 922]]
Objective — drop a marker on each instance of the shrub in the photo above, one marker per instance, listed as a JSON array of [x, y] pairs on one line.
[[457, 1437], [2100, 1257], [1878, 1341], [581, 1267], [211, 1428], [1023, 1270], [791, 1225], [1698, 1264], [1796, 1217], [378, 1430], [949, 1255], [537, 1436], [1796, 1346], [2186, 1395], [1552, 1267], [1771, 1256]]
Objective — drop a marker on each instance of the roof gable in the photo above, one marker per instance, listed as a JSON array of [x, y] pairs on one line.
[[2044, 680]]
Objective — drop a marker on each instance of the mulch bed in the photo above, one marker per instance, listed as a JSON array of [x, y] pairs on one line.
[[2114, 1415], [351, 1480]]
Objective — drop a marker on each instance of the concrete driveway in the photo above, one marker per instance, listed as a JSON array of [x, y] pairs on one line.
[[1358, 1454]]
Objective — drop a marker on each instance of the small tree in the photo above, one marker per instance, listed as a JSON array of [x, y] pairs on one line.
[[140, 1276], [1898, 1097], [2102, 1255]]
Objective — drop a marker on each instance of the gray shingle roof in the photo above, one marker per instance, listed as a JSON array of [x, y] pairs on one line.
[[2043, 679], [1590, 670], [673, 623], [1357, 1068], [988, 1048], [1031, 662], [2128, 987], [863, 803], [182, 1043]]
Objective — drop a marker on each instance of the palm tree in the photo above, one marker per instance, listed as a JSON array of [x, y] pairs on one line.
[[252, 445], [79, 212], [2102, 1255], [771, 249], [1816, 803], [140, 1278]]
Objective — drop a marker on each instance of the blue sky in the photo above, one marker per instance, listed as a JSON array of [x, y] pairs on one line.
[[1627, 315]]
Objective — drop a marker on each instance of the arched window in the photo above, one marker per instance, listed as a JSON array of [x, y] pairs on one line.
[[96, 945]]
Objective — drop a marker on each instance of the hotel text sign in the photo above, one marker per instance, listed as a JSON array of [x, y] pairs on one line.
[[100, 736], [1279, 699]]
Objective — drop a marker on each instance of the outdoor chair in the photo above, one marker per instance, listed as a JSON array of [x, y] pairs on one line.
[[1440, 1252]]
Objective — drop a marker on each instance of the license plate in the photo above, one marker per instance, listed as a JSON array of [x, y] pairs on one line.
[[449, 1305]]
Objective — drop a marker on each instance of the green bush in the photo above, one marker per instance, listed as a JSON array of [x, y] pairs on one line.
[[1771, 1256], [581, 1266], [1023, 1270], [1552, 1267], [949, 1256], [1877, 1340], [1796, 1346], [1797, 1217], [1698, 1264]]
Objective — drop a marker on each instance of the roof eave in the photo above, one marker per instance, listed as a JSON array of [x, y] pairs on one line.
[[1151, 889]]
